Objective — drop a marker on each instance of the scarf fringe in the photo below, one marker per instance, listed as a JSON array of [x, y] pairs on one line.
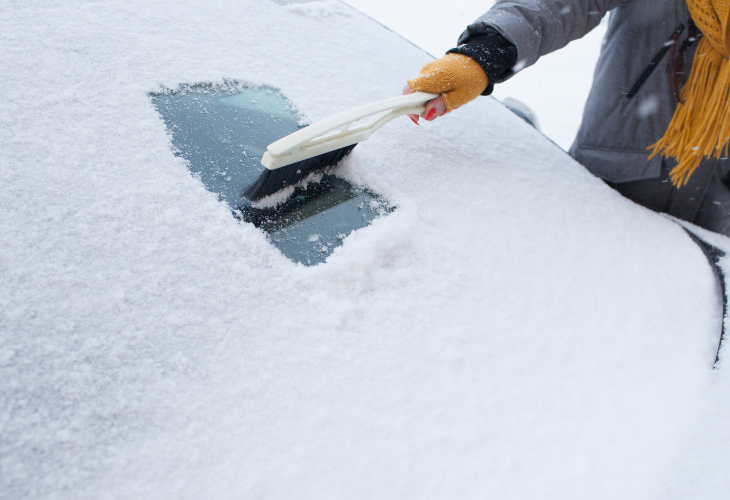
[[700, 128]]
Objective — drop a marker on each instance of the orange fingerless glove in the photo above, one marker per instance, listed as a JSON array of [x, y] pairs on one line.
[[458, 78]]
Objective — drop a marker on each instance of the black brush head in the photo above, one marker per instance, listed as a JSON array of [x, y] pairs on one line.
[[271, 181]]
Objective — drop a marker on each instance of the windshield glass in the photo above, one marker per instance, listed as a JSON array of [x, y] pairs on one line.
[[222, 132]]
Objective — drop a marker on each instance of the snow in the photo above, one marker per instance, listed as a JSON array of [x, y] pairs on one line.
[[699, 466], [514, 329], [320, 8]]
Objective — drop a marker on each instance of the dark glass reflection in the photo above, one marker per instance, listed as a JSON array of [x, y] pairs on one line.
[[222, 132]]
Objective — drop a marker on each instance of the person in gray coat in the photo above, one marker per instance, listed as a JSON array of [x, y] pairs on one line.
[[630, 105]]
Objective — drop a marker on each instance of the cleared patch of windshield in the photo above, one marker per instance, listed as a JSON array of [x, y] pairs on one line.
[[223, 130]]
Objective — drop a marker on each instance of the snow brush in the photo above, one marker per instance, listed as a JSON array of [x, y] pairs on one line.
[[322, 145]]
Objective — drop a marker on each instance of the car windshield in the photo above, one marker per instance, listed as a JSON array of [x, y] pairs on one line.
[[222, 132]]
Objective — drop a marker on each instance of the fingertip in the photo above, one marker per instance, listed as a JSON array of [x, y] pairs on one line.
[[434, 109]]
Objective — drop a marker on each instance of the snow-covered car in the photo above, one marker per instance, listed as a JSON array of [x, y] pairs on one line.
[[460, 311]]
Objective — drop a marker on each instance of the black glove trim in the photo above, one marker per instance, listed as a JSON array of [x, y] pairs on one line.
[[494, 54]]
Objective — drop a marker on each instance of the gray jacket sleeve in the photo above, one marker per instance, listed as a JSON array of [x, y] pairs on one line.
[[538, 27]]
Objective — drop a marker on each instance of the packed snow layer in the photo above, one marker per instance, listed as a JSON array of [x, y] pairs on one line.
[[515, 329], [700, 464]]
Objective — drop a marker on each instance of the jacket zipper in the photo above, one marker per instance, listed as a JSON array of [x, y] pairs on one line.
[[655, 62]]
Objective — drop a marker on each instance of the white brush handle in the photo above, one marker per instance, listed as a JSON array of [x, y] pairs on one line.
[[338, 131]]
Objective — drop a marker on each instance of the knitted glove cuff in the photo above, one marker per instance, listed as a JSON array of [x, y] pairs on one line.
[[494, 54]]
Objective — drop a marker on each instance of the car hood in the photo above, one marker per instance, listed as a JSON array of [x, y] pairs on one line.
[[514, 329]]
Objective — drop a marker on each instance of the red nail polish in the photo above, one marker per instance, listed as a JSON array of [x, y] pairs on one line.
[[442, 114], [414, 121], [430, 114]]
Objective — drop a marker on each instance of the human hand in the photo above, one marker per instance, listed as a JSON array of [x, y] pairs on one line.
[[458, 78]]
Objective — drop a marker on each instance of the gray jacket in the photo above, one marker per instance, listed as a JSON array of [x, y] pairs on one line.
[[616, 131]]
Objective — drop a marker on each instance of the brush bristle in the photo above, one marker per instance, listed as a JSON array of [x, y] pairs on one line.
[[271, 181]]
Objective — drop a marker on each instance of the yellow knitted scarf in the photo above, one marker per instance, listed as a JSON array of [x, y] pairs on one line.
[[700, 126]]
